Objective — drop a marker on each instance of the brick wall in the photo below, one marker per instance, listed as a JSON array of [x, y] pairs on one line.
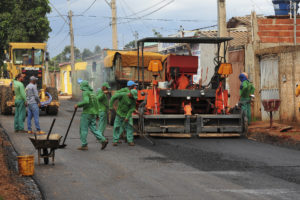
[[277, 30]]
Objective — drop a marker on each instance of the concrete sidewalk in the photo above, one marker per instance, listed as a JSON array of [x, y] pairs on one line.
[[276, 135]]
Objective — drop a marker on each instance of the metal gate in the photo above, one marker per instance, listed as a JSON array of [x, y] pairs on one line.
[[269, 82]]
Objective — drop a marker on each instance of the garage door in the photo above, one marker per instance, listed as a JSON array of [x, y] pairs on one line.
[[269, 82]]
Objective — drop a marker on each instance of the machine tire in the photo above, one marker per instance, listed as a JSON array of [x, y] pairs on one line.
[[53, 91], [52, 110], [45, 153], [6, 95]]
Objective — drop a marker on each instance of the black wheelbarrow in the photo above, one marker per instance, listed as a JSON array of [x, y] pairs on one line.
[[46, 145]]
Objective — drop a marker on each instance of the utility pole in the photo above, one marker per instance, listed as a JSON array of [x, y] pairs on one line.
[[136, 37], [222, 29], [113, 8], [295, 22], [114, 24], [70, 14]]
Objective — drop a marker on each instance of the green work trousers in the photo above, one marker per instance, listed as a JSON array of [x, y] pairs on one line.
[[20, 115], [88, 121], [120, 125], [246, 107], [102, 122]]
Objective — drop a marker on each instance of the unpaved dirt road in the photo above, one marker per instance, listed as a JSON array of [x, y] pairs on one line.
[[173, 169]]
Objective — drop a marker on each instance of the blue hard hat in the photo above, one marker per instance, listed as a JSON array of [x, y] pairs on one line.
[[79, 80], [131, 83]]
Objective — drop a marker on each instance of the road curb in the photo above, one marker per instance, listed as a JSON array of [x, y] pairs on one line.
[[11, 153], [283, 141]]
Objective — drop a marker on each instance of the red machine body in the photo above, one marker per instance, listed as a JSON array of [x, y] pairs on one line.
[[178, 68], [187, 65]]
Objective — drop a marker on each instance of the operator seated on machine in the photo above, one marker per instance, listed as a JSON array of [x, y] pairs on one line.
[[26, 59]]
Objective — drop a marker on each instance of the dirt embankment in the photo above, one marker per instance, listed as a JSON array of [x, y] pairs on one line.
[[12, 185], [286, 135]]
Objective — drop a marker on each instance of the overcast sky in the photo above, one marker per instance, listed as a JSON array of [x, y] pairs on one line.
[[91, 21]]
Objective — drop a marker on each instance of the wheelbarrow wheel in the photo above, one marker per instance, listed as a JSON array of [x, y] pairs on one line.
[[46, 159]]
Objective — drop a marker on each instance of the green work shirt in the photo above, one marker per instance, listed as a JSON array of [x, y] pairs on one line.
[[89, 101], [126, 105], [19, 90], [126, 89], [247, 89], [102, 101]]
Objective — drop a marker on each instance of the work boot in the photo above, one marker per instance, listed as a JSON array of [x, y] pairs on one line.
[[40, 132], [30, 132], [115, 144], [104, 144], [131, 144], [83, 148]]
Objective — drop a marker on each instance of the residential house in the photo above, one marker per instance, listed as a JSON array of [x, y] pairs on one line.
[[66, 77], [273, 60]]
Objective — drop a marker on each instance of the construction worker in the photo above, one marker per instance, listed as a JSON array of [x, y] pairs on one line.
[[89, 115], [103, 106], [33, 102], [130, 85], [123, 120], [246, 90], [20, 103]]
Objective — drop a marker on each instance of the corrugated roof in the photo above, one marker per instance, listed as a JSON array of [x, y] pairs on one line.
[[245, 21], [240, 37]]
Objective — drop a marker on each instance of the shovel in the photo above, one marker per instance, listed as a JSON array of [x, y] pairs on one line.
[[63, 145], [147, 138]]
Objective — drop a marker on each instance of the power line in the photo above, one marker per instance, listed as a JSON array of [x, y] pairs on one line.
[[89, 7], [135, 13], [60, 30], [158, 9], [58, 12], [126, 14], [162, 19], [61, 42], [89, 34]]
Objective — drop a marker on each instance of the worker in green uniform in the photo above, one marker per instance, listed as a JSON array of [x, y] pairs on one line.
[[89, 115], [130, 85], [246, 90], [20, 103], [123, 120], [103, 107]]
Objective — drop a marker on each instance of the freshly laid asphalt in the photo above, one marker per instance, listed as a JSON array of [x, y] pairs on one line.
[[173, 169]]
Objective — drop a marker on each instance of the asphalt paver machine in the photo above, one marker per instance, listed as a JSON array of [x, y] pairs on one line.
[[178, 104]]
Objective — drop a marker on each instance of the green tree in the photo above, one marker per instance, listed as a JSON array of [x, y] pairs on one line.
[[66, 54], [130, 45], [97, 50], [23, 21], [86, 53], [156, 33]]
